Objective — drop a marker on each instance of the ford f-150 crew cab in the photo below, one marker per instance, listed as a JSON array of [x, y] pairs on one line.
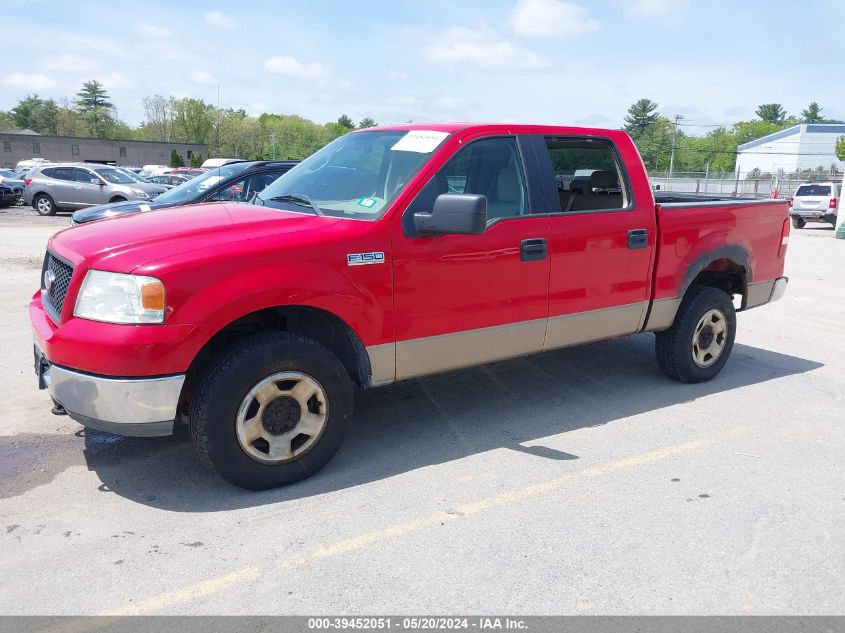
[[391, 253]]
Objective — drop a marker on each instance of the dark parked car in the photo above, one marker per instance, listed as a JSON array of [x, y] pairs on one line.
[[13, 181], [235, 182]]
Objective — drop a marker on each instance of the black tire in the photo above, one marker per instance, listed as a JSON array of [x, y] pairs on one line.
[[674, 347], [5, 205], [216, 403], [44, 205], [798, 223]]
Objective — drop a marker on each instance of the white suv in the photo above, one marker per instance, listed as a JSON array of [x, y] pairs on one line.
[[814, 201]]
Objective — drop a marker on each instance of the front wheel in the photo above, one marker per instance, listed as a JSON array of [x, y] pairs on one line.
[[700, 340], [272, 411], [798, 223]]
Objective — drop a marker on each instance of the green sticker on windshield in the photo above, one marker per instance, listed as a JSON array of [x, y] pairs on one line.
[[368, 202]]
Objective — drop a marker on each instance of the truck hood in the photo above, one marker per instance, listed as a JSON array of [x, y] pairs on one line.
[[123, 244]]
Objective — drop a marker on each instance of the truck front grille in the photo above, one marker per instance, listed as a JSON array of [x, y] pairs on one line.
[[60, 272]]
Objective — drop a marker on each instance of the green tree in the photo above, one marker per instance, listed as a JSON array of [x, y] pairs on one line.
[[193, 120], [176, 159], [813, 114], [771, 113], [196, 160], [158, 118], [35, 114], [641, 116], [367, 122], [840, 148], [96, 108]]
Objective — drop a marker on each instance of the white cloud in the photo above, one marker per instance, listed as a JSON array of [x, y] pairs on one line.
[[294, 68], [150, 30], [115, 80], [221, 20], [203, 77], [551, 18], [28, 81], [397, 75], [652, 7], [448, 103], [481, 47], [70, 63]]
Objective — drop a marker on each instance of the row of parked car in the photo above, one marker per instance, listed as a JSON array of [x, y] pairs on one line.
[[97, 192]]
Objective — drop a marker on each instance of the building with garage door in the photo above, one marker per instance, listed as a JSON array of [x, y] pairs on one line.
[[18, 145]]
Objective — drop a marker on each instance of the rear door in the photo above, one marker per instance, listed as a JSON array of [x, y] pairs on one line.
[[59, 183], [463, 300], [602, 239]]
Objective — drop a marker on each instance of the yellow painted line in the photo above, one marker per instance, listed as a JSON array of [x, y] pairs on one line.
[[198, 590], [345, 546]]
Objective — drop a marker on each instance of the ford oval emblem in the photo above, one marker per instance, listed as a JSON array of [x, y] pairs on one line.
[[49, 280]]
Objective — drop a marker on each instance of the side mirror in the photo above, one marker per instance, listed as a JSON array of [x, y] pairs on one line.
[[454, 214], [96, 181]]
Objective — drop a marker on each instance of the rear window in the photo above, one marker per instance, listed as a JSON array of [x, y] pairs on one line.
[[813, 190]]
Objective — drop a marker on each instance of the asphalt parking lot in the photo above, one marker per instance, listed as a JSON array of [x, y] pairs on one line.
[[579, 482]]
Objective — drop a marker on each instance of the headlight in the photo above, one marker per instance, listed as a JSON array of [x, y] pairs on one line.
[[118, 298], [140, 194]]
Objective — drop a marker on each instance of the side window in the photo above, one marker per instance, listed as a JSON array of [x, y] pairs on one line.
[[59, 173], [84, 176], [491, 167], [587, 174], [257, 182]]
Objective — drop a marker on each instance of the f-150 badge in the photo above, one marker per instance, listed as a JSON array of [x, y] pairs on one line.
[[362, 259]]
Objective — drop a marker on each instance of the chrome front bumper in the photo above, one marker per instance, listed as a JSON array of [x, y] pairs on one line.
[[140, 407]]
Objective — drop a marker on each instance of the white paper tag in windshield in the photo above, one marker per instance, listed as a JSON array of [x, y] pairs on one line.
[[422, 141], [144, 207]]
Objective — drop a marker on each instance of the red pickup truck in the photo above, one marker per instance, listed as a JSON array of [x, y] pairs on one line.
[[391, 253]]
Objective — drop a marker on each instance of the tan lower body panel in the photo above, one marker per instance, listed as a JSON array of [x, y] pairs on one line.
[[382, 364], [434, 354], [596, 325], [662, 314], [758, 294]]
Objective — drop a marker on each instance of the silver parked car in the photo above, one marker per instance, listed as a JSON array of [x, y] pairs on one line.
[[57, 186]]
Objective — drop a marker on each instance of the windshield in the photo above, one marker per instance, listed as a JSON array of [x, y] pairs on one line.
[[5, 173], [131, 174], [813, 190], [115, 176], [357, 175], [200, 184]]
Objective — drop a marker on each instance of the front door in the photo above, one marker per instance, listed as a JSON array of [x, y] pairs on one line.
[[462, 300], [85, 192]]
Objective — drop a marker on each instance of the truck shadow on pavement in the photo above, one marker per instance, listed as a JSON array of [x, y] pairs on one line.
[[419, 423]]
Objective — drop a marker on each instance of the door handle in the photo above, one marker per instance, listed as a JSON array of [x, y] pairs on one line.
[[532, 250], [637, 238]]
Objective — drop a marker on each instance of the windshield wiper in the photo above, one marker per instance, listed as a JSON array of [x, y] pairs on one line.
[[299, 199]]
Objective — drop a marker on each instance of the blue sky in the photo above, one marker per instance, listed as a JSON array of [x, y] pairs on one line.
[[550, 61]]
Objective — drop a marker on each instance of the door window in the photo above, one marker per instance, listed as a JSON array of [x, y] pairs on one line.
[[491, 167], [84, 176], [587, 175], [59, 173]]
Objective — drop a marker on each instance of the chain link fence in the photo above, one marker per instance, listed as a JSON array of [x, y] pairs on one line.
[[745, 185]]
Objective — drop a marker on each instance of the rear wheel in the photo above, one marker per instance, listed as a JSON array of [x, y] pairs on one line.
[[798, 223], [44, 204], [272, 411], [700, 340]]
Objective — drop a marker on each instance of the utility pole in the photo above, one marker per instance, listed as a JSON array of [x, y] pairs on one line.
[[678, 118]]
